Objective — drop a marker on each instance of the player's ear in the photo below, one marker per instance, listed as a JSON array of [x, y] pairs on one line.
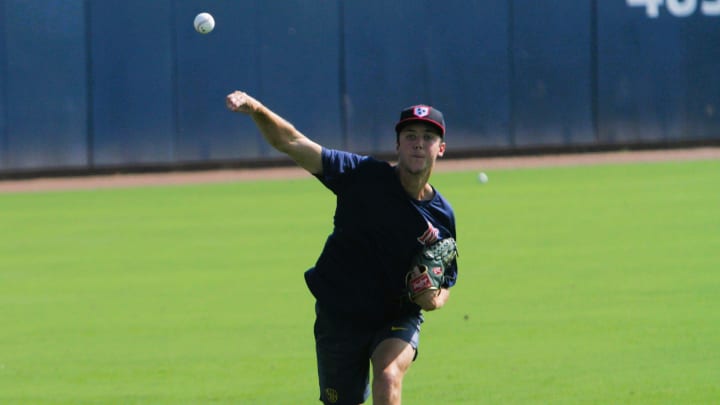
[[442, 149]]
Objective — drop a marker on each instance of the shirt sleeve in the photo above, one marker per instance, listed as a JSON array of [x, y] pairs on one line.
[[337, 165]]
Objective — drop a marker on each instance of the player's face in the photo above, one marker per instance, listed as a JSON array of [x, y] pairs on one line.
[[419, 145]]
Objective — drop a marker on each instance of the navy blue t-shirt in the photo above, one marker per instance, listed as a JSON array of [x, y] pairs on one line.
[[378, 229]]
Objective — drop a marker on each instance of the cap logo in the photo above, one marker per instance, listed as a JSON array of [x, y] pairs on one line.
[[422, 111]]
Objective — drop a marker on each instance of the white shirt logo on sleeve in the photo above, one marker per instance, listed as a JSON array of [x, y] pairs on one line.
[[430, 236]]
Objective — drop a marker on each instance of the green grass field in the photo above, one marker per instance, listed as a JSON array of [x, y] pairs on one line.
[[583, 285]]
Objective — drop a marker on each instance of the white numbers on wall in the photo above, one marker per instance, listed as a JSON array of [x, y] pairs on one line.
[[711, 7], [678, 8], [652, 7], [681, 8]]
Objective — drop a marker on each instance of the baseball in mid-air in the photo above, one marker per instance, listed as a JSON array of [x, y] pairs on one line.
[[204, 23], [482, 177]]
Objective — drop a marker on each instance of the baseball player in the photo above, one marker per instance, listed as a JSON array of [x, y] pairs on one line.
[[386, 216]]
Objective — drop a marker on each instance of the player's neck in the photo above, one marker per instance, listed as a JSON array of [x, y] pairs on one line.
[[415, 184]]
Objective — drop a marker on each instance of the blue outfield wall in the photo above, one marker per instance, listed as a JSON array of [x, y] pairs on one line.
[[132, 86], [451, 54], [551, 81], [90, 84], [3, 80], [285, 56], [44, 104], [658, 76]]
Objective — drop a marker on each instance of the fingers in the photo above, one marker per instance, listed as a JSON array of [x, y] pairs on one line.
[[239, 101], [236, 101], [426, 299]]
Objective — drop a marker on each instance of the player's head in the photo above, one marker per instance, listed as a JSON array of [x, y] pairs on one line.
[[421, 114], [420, 139]]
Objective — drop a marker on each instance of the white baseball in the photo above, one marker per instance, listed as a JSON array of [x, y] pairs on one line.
[[204, 23], [482, 177]]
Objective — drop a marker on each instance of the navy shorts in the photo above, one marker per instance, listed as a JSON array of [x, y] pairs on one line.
[[344, 350]]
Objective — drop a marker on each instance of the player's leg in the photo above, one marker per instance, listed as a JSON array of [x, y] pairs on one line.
[[390, 360], [343, 367], [395, 348]]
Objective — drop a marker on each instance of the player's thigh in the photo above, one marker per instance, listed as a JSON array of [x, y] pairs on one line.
[[397, 343], [393, 354], [342, 360]]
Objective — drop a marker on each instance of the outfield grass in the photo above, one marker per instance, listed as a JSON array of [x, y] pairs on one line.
[[593, 285]]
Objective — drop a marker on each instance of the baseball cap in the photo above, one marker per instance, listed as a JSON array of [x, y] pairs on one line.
[[421, 113]]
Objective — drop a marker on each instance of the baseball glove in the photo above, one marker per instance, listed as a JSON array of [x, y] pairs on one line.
[[428, 268]]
